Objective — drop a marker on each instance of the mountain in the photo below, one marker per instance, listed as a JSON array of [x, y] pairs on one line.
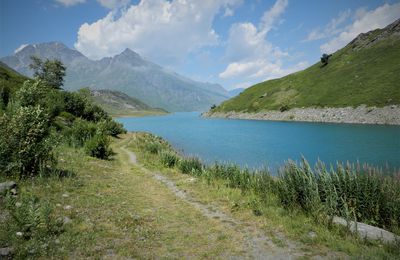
[[127, 72], [366, 71], [118, 103], [235, 92]]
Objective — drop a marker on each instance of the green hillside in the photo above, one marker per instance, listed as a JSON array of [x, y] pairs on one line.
[[117, 103], [10, 81], [366, 71]]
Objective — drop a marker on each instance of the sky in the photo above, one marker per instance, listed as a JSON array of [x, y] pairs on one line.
[[236, 43]]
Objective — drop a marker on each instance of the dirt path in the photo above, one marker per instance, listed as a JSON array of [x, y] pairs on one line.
[[257, 245]]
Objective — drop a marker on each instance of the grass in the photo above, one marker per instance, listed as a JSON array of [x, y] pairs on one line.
[[116, 210], [256, 198], [353, 77], [118, 104]]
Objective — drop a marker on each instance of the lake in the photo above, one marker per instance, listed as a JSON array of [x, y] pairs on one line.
[[259, 144]]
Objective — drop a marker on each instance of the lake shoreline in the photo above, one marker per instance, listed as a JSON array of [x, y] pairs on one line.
[[388, 115]]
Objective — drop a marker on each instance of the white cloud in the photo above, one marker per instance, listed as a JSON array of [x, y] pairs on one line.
[[20, 48], [69, 3], [260, 69], [364, 21], [164, 31], [272, 15], [250, 55], [332, 28], [113, 4]]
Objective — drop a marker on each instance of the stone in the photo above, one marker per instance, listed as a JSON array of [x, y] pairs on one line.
[[367, 231], [8, 186], [5, 251], [68, 207], [312, 234], [65, 195], [67, 220]]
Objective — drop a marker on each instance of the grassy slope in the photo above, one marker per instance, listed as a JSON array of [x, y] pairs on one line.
[[119, 211], [9, 78], [119, 104], [368, 76]]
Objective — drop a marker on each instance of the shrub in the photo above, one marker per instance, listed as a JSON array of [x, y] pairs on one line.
[[110, 127], [98, 146], [25, 141], [31, 93], [73, 103], [168, 158], [191, 165], [81, 131], [31, 226]]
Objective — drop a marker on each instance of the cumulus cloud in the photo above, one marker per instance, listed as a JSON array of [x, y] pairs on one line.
[[164, 31], [250, 55], [113, 4], [69, 3], [332, 28], [364, 21]]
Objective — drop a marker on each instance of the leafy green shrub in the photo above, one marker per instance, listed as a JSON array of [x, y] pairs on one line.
[[74, 103], [168, 158], [25, 141], [191, 165], [98, 146], [81, 131], [110, 127], [31, 93], [30, 227]]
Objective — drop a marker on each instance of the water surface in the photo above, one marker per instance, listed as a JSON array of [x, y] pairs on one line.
[[257, 144]]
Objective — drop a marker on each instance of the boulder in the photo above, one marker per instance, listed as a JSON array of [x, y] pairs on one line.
[[367, 231], [8, 186]]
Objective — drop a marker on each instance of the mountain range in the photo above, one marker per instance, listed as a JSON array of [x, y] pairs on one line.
[[127, 72]]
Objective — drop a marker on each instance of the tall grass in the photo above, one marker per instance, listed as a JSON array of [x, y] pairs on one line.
[[355, 192], [362, 193]]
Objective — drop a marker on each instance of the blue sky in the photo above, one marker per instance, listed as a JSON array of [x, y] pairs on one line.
[[232, 42]]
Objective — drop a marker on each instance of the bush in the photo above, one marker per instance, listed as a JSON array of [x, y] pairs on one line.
[[110, 127], [98, 146], [80, 132], [31, 93], [25, 141], [168, 158], [191, 165], [31, 226]]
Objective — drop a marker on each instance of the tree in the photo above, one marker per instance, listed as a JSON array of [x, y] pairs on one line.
[[51, 72], [325, 58]]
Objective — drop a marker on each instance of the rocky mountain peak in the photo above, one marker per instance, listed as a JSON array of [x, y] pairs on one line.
[[365, 40]]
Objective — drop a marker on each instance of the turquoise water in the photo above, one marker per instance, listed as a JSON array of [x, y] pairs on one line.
[[270, 143]]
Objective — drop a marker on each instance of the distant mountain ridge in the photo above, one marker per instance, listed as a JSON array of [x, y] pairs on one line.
[[118, 103], [127, 72], [365, 72]]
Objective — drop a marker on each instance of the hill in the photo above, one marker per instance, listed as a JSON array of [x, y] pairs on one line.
[[127, 72], [235, 92], [366, 71], [10, 81], [117, 103]]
